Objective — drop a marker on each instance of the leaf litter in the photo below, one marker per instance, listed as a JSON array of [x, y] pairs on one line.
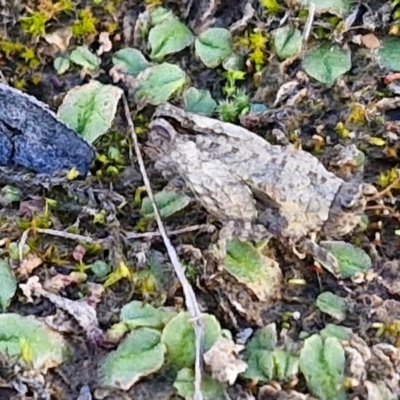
[[87, 268]]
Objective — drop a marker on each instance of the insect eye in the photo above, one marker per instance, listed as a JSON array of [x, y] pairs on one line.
[[348, 202], [350, 196]]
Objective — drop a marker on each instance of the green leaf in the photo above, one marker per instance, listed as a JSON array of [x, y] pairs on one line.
[[161, 272], [171, 36], [260, 274], [159, 15], [140, 354], [85, 58], [322, 362], [8, 284], [234, 62], [271, 6], [90, 109], [199, 101], [100, 268], [61, 65], [287, 42], [137, 314], [327, 62], [211, 389], [332, 305], [213, 46], [168, 203], [389, 54], [341, 8], [397, 232], [351, 259], [10, 194], [338, 331], [131, 59], [14, 251], [265, 361], [159, 83], [46, 348], [179, 337]]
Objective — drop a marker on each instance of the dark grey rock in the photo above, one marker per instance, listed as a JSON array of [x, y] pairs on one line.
[[32, 136]]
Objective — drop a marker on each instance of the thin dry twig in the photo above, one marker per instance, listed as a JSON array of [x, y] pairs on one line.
[[309, 22], [190, 297], [67, 235], [53, 232], [134, 235], [387, 190], [21, 244], [381, 207]]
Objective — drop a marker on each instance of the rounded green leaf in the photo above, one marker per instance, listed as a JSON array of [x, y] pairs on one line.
[[10, 194], [61, 65], [265, 361], [351, 259], [389, 54], [100, 268], [131, 59], [171, 36], [260, 274], [338, 331], [90, 109], [287, 42], [235, 62], [322, 362], [85, 58], [159, 83], [341, 8], [327, 62], [332, 305], [14, 250], [211, 389], [199, 101], [140, 354], [213, 46], [179, 337], [8, 284], [46, 347], [137, 314], [159, 15], [168, 203]]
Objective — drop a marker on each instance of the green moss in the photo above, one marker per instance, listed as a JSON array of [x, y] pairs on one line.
[[85, 25], [35, 23]]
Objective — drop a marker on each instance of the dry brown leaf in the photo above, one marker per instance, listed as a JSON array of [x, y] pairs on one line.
[[28, 265], [60, 38], [80, 310], [370, 41], [222, 359], [60, 282], [105, 43]]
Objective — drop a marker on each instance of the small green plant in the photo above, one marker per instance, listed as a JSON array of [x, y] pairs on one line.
[[85, 24], [35, 23], [270, 6], [258, 42], [229, 110], [254, 44], [232, 77], [242, 101], [16, 49]]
